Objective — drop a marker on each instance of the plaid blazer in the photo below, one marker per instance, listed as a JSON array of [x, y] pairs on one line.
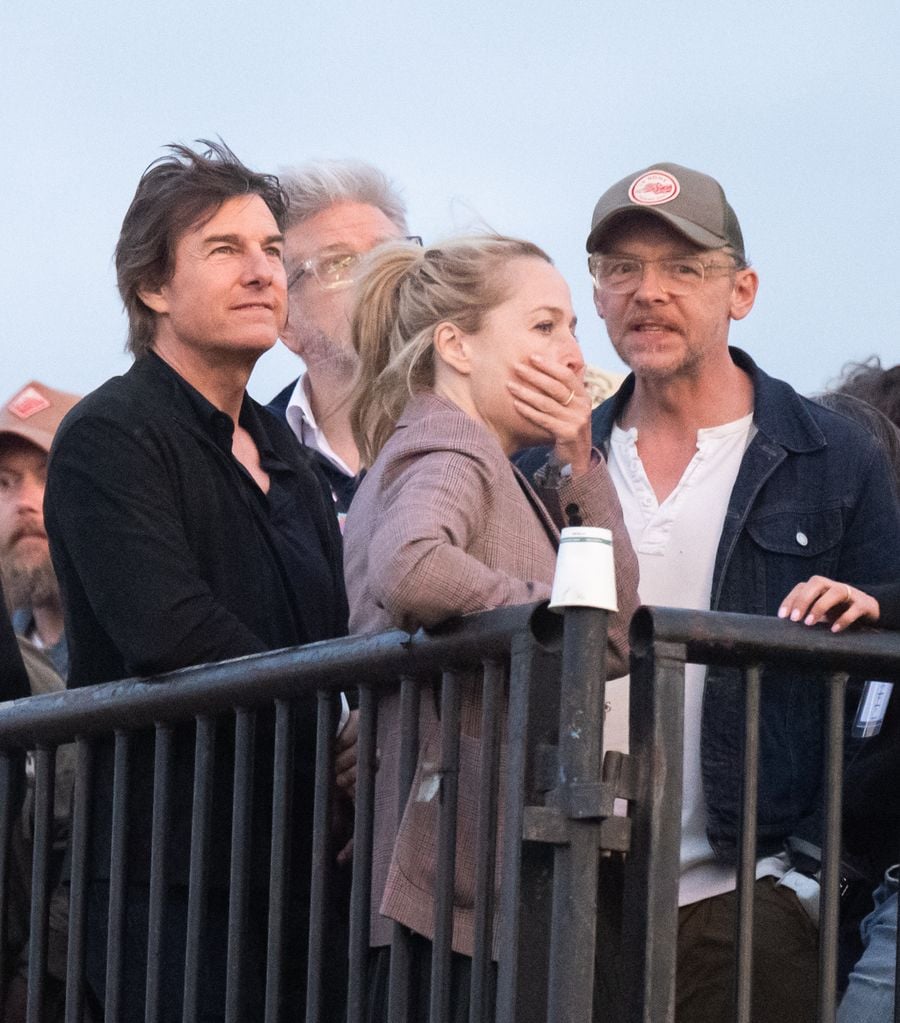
[[443, 525]]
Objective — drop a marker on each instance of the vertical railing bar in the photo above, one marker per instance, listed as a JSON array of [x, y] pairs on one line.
[[576, 860], [650, 909], [78, 847], [361, 891], [446, 849], [896, 1013], [201, 817], [400, 961], [8, 802], [480, 1011], [162, 774], [831, 848], [747, 848], [522, 967], [279, 887], [321, 849], [115, 948], [44, 761], [241, 837], [896, 971]]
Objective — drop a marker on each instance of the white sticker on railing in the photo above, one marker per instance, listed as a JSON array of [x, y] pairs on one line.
[[873, 706]]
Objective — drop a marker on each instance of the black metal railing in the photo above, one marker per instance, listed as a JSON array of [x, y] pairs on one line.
[[512, 656], [663, 641], [544, 809]]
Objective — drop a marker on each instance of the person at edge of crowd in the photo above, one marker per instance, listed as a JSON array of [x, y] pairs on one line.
[[872, 810], [187, 526], [734, 488], [467, 355], [873, 419], [869, 842], [339, 211], [871, 382], [868, 394], [28, 422]]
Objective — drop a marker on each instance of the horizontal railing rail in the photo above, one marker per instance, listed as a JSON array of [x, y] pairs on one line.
[[719, 637], [260, 679]]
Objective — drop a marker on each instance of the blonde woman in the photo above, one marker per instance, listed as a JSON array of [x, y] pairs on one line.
[[467, 355]]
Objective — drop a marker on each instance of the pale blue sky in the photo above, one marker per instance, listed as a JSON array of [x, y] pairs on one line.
[[516, 116]]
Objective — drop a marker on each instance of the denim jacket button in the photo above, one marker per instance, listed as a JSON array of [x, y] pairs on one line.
[[802, 539]]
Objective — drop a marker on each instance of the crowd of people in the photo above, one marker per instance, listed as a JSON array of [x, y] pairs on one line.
[[421, 467]]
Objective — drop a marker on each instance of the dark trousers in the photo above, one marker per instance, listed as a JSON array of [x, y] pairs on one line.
[[785, 958]]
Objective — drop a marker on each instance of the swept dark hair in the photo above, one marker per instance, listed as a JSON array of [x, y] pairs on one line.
[[871, 382], [176, 192]]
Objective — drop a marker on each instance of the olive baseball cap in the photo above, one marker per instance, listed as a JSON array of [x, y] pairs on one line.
[[692, 203], [34, 412]]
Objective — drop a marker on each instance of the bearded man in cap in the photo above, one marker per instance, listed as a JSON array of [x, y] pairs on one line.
[[734, 488], [28, 422]]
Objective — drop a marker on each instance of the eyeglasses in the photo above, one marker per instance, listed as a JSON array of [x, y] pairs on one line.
[[679, 275], [334, 270]]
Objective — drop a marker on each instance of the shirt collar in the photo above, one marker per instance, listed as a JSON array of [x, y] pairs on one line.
[[302, 421]]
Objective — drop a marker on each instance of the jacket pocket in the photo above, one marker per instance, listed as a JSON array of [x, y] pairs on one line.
[[799, 533]]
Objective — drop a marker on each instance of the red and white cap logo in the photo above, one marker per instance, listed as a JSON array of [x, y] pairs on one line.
[[28, 402], [653, 188]]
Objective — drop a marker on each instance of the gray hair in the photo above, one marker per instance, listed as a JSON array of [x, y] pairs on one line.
[[314, 187]]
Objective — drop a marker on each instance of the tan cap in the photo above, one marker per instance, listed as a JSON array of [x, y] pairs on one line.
[[691, 202], [34, 412]]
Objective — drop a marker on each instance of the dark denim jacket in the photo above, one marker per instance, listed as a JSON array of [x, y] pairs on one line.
[[813, 496]]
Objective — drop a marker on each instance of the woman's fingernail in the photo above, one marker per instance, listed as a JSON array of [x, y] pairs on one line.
[[809, 620], [782, 611], [795, 615]]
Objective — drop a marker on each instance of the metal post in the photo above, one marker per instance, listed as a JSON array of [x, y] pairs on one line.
[[44, 762], [360, 896], [156, 925], [527, 882], [747, 850], [448, 775], [830, 877], [78, 846], [656, 740], [574, 924]]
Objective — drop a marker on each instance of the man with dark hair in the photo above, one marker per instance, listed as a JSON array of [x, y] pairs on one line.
[[870, 381], [339, 211], [187, 526]]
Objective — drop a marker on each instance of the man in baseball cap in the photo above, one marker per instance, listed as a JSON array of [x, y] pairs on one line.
[[28, 423], [734, 489]]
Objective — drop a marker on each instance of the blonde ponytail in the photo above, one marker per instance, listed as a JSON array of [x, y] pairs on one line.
[[403, 294]]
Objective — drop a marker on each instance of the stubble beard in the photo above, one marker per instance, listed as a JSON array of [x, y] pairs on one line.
[[324, 353], [29, 584]]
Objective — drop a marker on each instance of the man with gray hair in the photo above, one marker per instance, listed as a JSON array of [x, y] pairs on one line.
[[339, 210]]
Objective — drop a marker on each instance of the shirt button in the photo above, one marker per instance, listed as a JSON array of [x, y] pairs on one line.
[[802, 539]]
